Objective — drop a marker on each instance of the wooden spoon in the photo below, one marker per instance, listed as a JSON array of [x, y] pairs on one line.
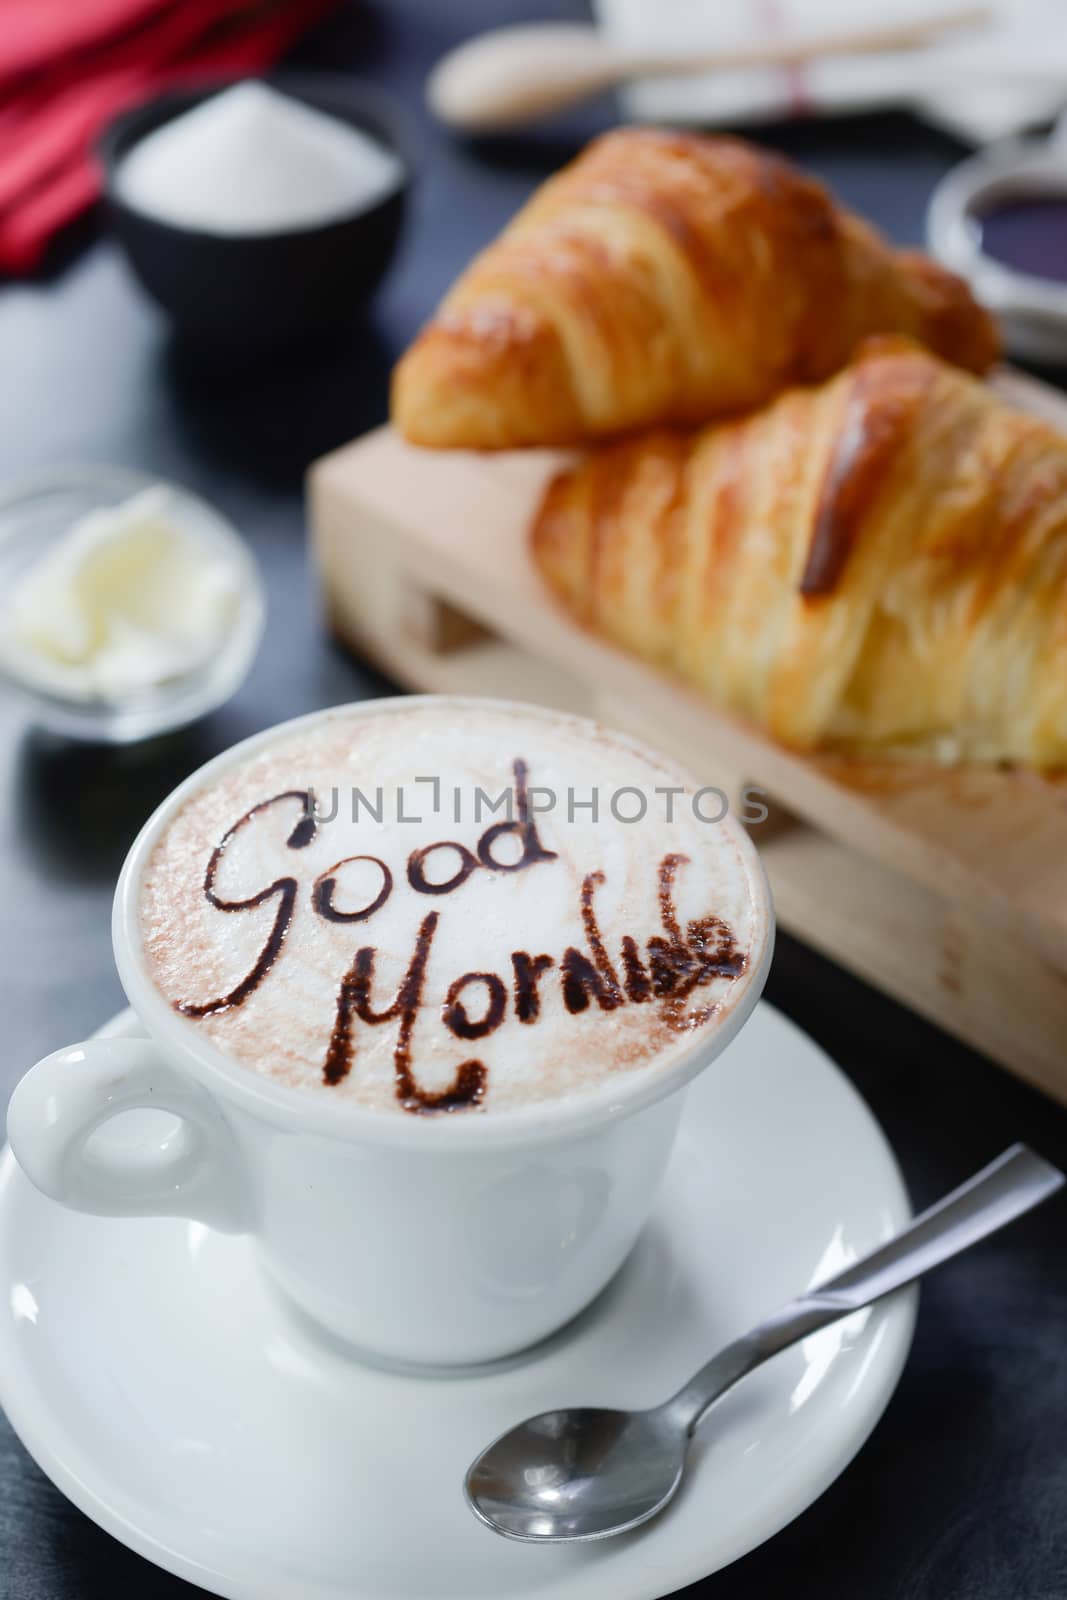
[[513, 75]]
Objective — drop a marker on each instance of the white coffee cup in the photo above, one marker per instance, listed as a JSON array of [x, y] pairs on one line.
[[419, 1241]]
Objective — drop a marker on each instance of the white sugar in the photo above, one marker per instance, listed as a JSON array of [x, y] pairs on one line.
[[251, 160]]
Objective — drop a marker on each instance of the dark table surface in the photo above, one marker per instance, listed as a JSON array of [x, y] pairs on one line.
[[961, 1493]]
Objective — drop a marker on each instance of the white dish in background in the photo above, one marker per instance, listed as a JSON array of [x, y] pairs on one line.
[[980, 83], [36, 513], [173, 1397]]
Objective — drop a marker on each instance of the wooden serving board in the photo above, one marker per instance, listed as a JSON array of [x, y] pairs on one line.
[[947, 889]]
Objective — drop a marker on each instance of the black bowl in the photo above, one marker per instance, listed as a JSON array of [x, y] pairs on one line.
[[263, 288]]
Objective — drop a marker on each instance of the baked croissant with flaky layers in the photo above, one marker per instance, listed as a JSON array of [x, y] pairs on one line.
[[666, 278], [878, 564]]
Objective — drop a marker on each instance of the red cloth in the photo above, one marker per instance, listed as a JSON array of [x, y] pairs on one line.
[[67, 69]]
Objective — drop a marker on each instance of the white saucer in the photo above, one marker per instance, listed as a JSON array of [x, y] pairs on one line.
[[153, 1375]]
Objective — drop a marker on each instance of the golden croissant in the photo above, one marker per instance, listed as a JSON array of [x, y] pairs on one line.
[[666, 278], [877, 564]]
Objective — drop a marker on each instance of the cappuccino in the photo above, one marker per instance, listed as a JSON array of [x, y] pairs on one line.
[[452, 906]]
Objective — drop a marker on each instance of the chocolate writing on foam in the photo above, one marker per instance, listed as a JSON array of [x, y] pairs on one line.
[[662, 970]]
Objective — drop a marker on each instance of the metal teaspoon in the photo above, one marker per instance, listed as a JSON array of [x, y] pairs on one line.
[[588, 1474]]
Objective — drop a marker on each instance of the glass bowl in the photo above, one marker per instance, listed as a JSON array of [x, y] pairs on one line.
[[35, 513]]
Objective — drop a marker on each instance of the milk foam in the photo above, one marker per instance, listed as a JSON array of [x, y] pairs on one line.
[[619, 911]]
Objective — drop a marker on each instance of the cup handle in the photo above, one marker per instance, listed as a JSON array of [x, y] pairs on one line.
[[195, 1171]]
